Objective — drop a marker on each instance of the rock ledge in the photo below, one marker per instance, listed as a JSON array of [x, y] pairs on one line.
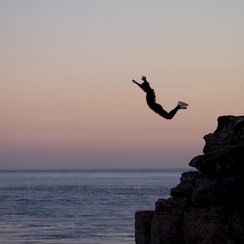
[[207, 207]]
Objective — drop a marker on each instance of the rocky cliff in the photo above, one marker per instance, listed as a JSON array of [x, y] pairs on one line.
[[207, 207]]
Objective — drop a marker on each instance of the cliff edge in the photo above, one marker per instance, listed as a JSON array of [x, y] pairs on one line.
[[207, 207]]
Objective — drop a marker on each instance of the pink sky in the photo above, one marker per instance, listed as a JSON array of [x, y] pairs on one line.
[[66, 99]]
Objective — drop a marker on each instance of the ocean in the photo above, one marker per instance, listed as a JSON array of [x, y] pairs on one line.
[[78, 206]]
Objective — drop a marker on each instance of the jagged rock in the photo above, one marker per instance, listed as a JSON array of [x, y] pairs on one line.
[[143, 226], [167, 222], [185, 188], [204, 225], [225, 161], [207, 207], [204, 191], [235, 226], [230, 131]]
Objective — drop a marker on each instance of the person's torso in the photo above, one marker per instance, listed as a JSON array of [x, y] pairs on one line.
[[150, 97]]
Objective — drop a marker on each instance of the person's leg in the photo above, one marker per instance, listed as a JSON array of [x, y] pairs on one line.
[[172, 113], [167, 115]]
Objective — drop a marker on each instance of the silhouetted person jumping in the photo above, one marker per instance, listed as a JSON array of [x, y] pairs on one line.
[[151, 100]]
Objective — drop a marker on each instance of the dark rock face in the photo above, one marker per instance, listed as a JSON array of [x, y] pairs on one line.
[[207, 207]]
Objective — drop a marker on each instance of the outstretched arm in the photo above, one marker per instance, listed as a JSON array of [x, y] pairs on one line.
[[143, 86], [135, 82], [144, 78]]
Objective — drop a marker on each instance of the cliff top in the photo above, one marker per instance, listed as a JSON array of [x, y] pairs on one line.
[[223, 151]]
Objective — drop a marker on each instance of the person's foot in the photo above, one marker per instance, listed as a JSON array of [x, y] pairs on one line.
[[182, 105]]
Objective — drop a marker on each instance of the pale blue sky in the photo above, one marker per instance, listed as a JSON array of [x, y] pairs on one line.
[[66, 98]]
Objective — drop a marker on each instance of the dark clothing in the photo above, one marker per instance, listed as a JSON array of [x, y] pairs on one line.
[[151, 97], [157, 108]]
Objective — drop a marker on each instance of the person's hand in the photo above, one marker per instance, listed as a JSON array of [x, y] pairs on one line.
[[134, 82], [144, 78]]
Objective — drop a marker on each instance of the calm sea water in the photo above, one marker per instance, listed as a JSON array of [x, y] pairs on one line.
[[78, 206]]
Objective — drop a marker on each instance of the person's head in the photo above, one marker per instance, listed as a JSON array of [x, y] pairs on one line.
[[145, 86]]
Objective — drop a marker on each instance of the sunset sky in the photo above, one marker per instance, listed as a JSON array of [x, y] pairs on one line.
[[66, 97]]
